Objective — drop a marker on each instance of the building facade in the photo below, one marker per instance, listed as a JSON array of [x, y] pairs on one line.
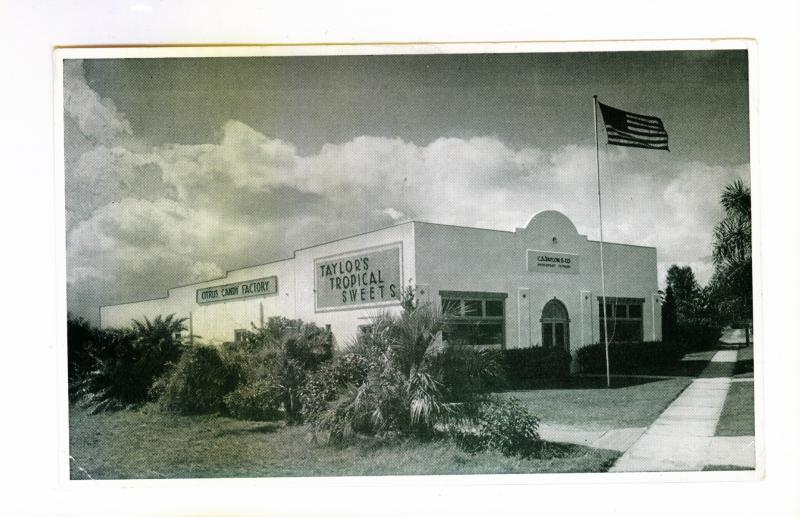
[[536, 286]]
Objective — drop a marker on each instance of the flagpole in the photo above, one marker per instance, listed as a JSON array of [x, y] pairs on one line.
[[602, 267]]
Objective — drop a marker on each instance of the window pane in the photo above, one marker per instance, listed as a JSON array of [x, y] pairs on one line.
[[635, 311], [490, 334], [622, 311], [494, 307], [473, 308], [460, 334], [451, 307]]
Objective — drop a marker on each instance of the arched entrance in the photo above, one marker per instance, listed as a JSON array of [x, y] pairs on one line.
[[555, 325]]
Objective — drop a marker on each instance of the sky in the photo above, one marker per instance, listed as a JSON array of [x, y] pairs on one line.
[[177, 170]]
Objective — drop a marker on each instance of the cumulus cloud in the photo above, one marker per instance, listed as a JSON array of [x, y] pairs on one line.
[[97, 117], [143, 220]]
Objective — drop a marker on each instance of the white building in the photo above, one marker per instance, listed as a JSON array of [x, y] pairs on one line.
[[535, 286]]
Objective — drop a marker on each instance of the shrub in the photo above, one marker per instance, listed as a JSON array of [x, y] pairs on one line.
[[414, 381], [324, 385], [697, 334], [256, 400], [271, 364], [504, 425], [628, 357], [536, 366], [126, 362], [197, 384]]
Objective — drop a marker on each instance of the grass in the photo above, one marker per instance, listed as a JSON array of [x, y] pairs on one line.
[[636, 405], [744, 363], [146, 444], [738, 413]]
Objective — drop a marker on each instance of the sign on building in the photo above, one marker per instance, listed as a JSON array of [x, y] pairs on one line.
[[259, 287], [361, 278], [551, 262]]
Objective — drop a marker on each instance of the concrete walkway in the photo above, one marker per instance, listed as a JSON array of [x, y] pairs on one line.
[[682, 437]]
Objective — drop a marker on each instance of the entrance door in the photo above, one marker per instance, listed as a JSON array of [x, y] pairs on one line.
[[555, 325]]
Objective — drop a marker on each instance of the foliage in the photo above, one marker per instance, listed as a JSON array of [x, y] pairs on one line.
[[689, 313], [125, 362], [628, 357], [732, 283], [414, 380], [324, 385], [535, 366], [197, 384], [257, 400], [504, 425], [272, 363], [84, 343]]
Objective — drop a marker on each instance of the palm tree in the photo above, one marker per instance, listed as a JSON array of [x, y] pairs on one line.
[[732, 253], [414, 382]]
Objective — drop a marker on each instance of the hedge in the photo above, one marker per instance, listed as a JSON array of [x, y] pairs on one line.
[[628, 357], [527, 367]]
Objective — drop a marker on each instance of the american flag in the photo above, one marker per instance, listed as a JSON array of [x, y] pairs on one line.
[[633, 130]]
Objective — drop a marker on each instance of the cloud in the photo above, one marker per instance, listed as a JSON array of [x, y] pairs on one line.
[[97, 117], [169, 215]]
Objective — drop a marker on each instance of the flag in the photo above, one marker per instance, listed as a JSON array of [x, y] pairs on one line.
[[633, 130]]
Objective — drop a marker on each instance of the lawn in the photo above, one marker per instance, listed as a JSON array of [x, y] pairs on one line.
[[146, 444], [636, 405], [744, 363], [738, 413]]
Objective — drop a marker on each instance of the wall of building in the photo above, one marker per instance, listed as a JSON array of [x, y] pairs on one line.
[[216, 322], [451, 258], [434, 258]]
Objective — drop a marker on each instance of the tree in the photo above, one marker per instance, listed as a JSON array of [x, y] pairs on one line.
[[669, 317], [732, 282], [687, 313], [685, 291]]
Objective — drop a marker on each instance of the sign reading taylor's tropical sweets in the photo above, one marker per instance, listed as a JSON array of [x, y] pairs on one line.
[[219, 293], [551, 262], [366, 277]]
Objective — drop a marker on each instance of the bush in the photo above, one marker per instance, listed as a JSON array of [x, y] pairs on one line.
[[536, 366], [504, 425], [414, 381], [324, 385], [197, 384], [271, 364], [628, 358], [126, 362], [256, 400], [695, 334]]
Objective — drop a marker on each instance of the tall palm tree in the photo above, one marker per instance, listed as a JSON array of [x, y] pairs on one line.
[[732, 252]]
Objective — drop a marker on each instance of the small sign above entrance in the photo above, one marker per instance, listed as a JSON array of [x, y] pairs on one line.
[[552, 262], [220, 293]]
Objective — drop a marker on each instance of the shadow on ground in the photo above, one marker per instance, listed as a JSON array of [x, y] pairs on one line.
[[261, 429], [586, 382]]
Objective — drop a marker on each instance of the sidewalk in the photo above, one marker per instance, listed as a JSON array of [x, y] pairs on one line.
[[682, 437]]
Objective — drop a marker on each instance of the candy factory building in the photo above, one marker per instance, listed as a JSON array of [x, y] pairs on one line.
[[535, 286]]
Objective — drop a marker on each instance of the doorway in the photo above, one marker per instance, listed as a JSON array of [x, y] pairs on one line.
[[555, 325]]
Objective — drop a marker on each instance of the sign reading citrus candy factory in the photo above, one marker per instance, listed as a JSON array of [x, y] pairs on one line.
[[244, 289], [549, 261], [361, 278]]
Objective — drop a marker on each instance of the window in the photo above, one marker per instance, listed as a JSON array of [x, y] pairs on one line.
[[474, 318], [624, 320], [238, 335]]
